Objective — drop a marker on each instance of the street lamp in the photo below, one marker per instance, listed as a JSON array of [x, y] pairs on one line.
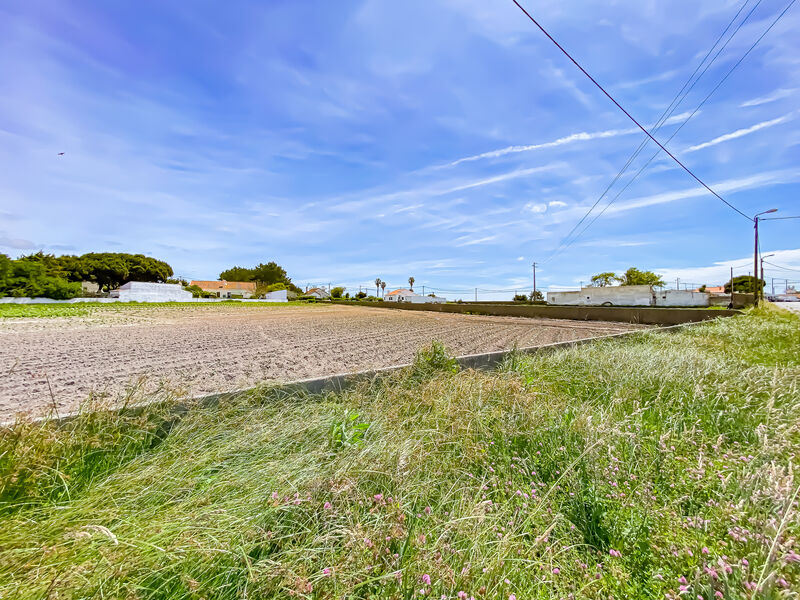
[[756, 290], [762, 274]]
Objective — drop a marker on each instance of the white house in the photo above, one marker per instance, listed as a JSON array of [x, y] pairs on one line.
[[141, 291], [277, 296], [227, 289], [318, 293], [404, 295]]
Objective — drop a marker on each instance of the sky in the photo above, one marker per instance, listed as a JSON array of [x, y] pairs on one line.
[[447, 140]]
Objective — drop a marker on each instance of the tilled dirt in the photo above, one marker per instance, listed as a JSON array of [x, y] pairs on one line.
[[58, 363]]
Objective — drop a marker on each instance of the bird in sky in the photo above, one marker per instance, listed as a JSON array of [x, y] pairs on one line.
[[61, 154]]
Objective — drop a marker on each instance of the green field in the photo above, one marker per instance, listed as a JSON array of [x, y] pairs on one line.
[[83, 309], [659, 465]]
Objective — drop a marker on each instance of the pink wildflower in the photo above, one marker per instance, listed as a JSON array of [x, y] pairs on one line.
[[792, 557], [326, 571], [428, 510], [745, 562], [719, 594], [275, 495], [426, 579], [512, 597], [705, 550], [378, 497], [462, 594], [556, 571], [616, 553], [327, 506]]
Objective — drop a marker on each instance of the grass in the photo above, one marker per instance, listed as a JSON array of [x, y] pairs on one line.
[[660, 465], [82, 309]]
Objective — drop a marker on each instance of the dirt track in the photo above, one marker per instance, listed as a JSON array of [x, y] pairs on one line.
[[209, 349]]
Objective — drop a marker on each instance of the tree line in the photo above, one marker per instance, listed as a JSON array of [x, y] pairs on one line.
[[60, 277], [268, 277]]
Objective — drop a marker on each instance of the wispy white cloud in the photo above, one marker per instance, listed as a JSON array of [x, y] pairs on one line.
[[729, 185], [556, 204], [740, 133], [16, 243], [776, 95], [474, 242], [582, 136], [719, 271]]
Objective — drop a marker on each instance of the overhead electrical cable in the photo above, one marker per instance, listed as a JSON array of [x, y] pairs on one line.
[[631, 117], [641, 170], [673, 105]]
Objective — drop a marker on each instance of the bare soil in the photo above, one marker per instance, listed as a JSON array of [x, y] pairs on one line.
[[60, 362]]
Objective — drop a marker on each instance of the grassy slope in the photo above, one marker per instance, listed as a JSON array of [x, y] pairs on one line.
[[673, 451], [81, 309]]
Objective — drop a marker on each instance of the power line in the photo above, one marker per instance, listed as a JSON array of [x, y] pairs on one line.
[[673, 105], [780, 267], [778, 218], [618, 105], [730, 71]]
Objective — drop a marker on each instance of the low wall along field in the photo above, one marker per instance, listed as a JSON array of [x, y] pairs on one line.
[[634, 314], [191, 350]]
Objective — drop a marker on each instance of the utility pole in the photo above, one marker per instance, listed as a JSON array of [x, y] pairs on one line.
[[757, 291], [677, 283], [730, 304], [476, 294], [423, 290], [533, 296]]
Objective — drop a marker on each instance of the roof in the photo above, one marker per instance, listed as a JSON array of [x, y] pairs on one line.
[[225, 285], [401, 291], [315, 290], [718, 289]]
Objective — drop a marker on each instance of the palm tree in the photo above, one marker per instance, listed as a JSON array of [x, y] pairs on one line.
[[411, 281], [383, 288], [377, 286]]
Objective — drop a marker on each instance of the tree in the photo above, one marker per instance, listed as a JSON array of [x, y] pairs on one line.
[[536, 296], [383, 287], [411, 281], [634, 276], [237, 274], [743, 284], [520, 298], [702, 288], [604, 279], [361, 295], [378, 286], [337, 292]]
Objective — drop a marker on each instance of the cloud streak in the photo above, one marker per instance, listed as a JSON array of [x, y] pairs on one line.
[[582, 136], [739, 133]]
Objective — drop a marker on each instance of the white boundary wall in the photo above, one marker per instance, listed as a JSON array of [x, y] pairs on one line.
[[10, 300]]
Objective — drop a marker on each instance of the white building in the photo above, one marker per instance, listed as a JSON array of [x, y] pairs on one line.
[[404, 295], [141, 291], [277, 296], [629, 295], [318, 293], [227, 289]]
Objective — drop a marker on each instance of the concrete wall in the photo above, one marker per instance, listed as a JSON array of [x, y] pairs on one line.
[[681, 298], [424, 299], [643, 315], [141, 291], [11, 300], [629, 295]]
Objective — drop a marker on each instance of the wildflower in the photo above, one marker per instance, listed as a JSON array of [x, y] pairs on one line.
[[705, 550], [615, 553], [426, 579], [274, 495], [512, 597], [462, 594], [326, 571], [556, 571], [783, 583], [428, 510], [327, 506], [378, 497], [682, 580], [792, 557], [507, 581], [745, 562], [659, 576], [718, 594]]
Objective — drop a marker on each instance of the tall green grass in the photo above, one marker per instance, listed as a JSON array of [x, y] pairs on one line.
[[660, 465]]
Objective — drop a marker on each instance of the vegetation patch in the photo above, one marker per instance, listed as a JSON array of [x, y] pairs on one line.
[[660, 465]]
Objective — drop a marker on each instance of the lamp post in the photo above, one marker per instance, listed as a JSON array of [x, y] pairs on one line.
[[757, 290], [762, 274]]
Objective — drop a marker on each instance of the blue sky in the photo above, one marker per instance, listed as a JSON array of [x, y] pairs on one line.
[[444, 139]]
